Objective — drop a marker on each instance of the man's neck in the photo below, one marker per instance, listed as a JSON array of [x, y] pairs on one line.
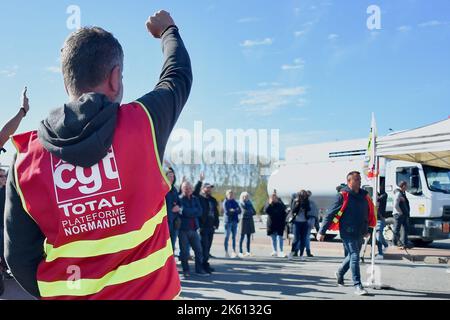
[[355, 190]]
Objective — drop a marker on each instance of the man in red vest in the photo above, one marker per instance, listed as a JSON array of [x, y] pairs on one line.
[[352, 214], [86, 215]]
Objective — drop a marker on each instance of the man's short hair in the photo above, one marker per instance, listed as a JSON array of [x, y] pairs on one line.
[[402, 184], [88, 57], [351, 174]]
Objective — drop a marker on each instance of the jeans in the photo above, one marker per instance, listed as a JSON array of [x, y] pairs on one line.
[[230, 229], [173, 235], [352, 248], [206, 236], [300, 234], [190, 237], [381, 241], [311, 224], [401, 222], [276, 237], [249, 236]]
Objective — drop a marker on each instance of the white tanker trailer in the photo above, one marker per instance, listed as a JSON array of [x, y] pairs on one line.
[[321, 168]]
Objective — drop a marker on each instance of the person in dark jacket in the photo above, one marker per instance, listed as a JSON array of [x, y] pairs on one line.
[[401, 216], [191, 211], [381, 223], [353, 227], [247, 224], [173, 208], [209, 221], [300, 209], [276, 223], [231, 210]]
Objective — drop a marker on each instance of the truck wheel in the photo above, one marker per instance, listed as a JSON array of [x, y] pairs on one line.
[[388, 231], [421, 242]]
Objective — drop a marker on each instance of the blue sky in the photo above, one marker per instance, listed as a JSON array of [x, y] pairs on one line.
[[309, 68]]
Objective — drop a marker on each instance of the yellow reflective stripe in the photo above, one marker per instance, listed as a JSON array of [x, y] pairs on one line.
[[16, 178], [335, 220], [340, 213], [125, 273], [92, 248], [155, 145]]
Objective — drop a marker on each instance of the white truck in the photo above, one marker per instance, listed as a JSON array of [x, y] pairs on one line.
[[320, 168]]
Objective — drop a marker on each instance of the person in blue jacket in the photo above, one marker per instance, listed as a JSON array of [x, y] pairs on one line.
[[191, 211], [231, 210]]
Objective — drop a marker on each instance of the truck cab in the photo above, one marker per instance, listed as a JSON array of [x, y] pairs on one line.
[[429, 197]]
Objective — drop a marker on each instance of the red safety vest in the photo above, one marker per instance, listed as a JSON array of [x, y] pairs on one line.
[[106, 227], [372, 216]]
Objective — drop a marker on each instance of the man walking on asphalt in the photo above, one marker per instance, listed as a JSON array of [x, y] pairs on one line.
[[85, 202], [353, 215]]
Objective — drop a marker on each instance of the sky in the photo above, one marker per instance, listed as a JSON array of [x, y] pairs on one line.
[[311, 69]]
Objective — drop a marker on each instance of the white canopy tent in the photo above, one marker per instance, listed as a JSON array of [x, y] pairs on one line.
[[428, 145]]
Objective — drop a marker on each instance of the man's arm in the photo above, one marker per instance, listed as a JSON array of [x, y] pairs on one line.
[[24, 241], [197, 189], [11, 126], [191, 210], [331, 214], [165, 103]]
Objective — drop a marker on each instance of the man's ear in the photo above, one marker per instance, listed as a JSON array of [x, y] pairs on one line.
[[115, 80]]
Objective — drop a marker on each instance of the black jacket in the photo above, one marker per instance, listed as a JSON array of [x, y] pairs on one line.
[[206, 220], [81, 132], [354, 223], [297, 206], [276, 217]]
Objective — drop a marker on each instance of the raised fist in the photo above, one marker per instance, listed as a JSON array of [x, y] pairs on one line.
[[159, 22]]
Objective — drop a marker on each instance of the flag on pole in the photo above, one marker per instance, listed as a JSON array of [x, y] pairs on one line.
[[370, 163], [371, 171]]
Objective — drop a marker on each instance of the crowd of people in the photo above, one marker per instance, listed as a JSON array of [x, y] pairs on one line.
[[94, 129], [194, 218]]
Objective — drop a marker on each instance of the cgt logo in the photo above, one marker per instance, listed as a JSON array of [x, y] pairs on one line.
[[74, 183]]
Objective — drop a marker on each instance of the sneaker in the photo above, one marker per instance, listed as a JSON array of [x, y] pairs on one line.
[[202, 273], [274, 254], [227, 255], [247, 254], [360, 291], [241, 255], [210, 269], [309, 254], [291, 256], [281, 255], [339, 279], [301, 258], [233, 255], [379, 257]]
